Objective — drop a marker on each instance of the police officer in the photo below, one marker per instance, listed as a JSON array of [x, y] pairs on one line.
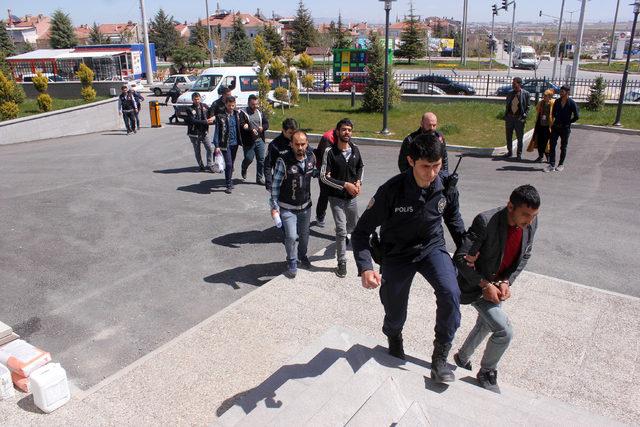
[[280, 146], [219, 107], [429, 123], [409, 208]]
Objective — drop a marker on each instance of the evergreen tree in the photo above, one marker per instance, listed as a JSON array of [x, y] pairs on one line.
[[163, 34], [95, 36], [373, 99], [63, 35], [304, 32], [240, 50], [596, 98], [263, 57], [412, 38], [342, 40], [7, 47], [188, 56], [272, 39], [200, 36]]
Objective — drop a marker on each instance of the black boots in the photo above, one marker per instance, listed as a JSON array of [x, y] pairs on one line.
[[395, 346], [440, 371]]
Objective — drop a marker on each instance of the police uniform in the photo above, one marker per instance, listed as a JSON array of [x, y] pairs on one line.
[[411, 241]]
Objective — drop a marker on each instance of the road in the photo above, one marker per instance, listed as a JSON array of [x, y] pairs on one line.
[[114, 244]]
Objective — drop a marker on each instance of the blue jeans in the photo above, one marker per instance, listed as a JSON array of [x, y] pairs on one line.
[[197, 141], [491, 319], [296, 232], [229, 158], [256, 150], [437, 267]]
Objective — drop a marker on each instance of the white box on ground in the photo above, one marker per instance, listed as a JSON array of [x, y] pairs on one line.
[[50, 387], [6, 385]]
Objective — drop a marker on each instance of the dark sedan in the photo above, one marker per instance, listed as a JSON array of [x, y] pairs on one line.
[[449, 86], [530, 85]]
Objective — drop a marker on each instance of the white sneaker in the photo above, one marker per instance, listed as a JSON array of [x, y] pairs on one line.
[[549, 168], [560, 168]]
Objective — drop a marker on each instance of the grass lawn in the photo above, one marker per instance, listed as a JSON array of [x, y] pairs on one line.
[[463, 123], [30, 107], [634, 67], [447, 65], [469, 123]]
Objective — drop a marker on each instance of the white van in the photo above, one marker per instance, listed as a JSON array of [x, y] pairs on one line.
[[525, 57], [243, 81]]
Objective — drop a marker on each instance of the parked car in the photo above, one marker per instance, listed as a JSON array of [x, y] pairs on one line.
[[131, 83], [633, 96], [531, 86], [360, 82], [449, 86], [545, 56], [409, 86], [185, 81], [52, 78]]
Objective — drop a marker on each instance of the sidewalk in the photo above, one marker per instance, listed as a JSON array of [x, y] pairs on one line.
[[573, 343]]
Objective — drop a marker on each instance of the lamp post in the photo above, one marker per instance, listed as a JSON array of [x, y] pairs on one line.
[[206, 5], [387, 9], [636, 11], [147, 52], [578, 49]]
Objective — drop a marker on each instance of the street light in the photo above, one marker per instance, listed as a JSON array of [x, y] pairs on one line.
[[387, 9], [209, 44], [636, 11]]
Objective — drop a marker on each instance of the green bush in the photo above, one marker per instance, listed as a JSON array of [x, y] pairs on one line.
[[596, 99], [85, 74], [10, 91], [281, 94], [44, 102], [88, 93], [8, 110], [294, 92], [40, 82]]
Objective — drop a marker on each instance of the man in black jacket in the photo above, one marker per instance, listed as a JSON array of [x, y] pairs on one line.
[[565, 112], [515, 115], [197, 129], [429, 123], [493, 253], [218, 106], [127, 107], [341, 172], [409, 209], [227, 138], [254, 124], [280, 146]]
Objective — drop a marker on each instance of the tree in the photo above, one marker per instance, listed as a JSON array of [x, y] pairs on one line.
[[304, 32], [412, 38], [240, 50], [263, 57], [163, 34], [85, 74], [95, 36], [200, 36], [188, 56], [221, 45], [596, 98], [292, 74], [41, 83], [7, 47], [373, 99], [342, 40], [11, 95], [273, 39], [63, 35], [306, 63]]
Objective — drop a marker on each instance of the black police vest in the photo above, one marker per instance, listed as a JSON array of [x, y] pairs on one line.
[[295, 191]]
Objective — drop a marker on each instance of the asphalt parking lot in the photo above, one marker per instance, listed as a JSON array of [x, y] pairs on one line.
[[114, 245]]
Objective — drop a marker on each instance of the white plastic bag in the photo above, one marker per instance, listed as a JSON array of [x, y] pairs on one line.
[[218, 163]]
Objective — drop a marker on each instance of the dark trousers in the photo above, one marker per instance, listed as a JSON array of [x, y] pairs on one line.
[[562, 133], [229, 158], [255, 150], [129, 120], [438, 269], [323, 201], [197, 141], [542, 138], [512, 123]]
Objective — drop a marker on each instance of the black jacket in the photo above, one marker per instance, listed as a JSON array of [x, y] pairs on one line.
[[217, 108], [488, 235], [523, 108], [403, 164], [197, 120], [277, 148], [336, 171], [410, 220], [564, 116], [248, 135], [221, 135]]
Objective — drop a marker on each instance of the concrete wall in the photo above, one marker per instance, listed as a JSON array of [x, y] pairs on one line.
[[96, 117], [71, 90]]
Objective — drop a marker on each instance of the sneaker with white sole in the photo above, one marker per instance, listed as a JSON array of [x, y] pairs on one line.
[[549, 168], [560, 168]]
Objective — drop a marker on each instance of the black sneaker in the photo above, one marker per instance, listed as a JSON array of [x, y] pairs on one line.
[[396, 348], [538, 160], [489, 380], [201, 167], [341, 271], [320, 222], [228, 190], [305, 263], [260, 181], [440, 370], [507, 155], [466, 365], [244, 175]]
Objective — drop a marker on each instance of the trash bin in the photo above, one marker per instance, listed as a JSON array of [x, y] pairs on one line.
[[154, 111]]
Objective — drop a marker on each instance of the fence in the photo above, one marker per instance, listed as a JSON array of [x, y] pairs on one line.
[[488, 85]]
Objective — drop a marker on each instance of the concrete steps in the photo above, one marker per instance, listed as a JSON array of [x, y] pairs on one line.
[[345, 378]]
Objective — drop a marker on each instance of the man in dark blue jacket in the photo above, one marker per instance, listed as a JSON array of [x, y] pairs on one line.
[[565, 112], [493, 253], [515, 115], [227, 138], [409, 208], [280, 145], [198, 123]]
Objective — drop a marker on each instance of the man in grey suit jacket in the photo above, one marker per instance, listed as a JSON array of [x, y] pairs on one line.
[[494, 251], [515, 115]]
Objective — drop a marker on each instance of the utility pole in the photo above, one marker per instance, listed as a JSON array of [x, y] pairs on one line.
[[209, 42], [387, 9], [555, 60], [576, 52], [463, 54], [625, 75], [613, 33], [505, 6], [147, 52], [494, 12]]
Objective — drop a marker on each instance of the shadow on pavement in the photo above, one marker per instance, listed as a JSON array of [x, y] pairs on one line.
[[178, 170], [234, 240], [205, 187], [519, 169], [251, 274]]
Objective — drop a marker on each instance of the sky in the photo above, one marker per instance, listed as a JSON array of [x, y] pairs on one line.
[[114, 11]]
